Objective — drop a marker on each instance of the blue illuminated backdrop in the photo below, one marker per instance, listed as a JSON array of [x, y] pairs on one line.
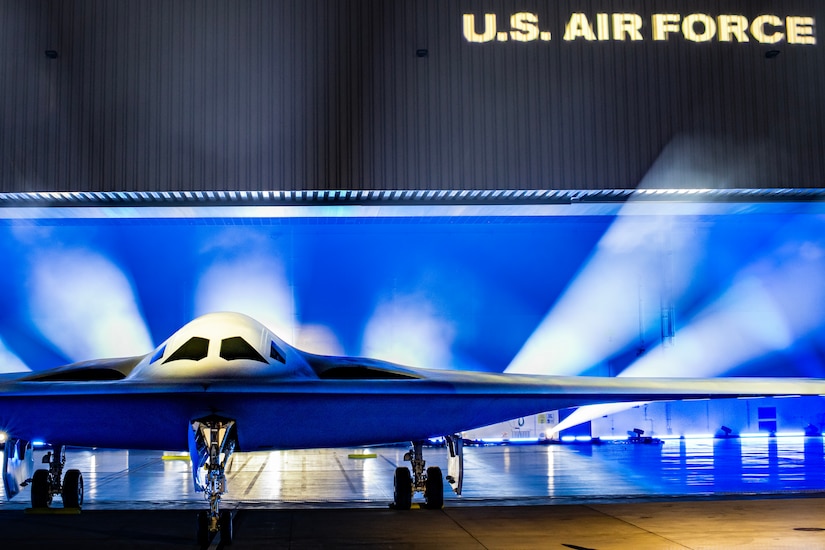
[[671, 289]]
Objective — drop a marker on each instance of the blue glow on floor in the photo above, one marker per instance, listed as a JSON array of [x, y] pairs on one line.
[[517, 474]]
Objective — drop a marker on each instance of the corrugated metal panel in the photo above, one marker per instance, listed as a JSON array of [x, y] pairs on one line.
[[156, 95], [412, 197]]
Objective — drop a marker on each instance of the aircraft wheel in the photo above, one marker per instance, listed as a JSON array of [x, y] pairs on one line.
[[434, 489], [202, 532], [41, 497], [402, 488], [226, 527], [73, 489]]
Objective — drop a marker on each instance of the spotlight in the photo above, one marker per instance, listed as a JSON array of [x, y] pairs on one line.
[[770, 54], [51, 54], [422, 52], [86, 305], [9, 362]]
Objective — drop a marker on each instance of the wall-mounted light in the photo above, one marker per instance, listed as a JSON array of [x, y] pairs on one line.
[[51, 54]]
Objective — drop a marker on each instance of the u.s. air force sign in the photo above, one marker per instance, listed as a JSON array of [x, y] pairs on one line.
[[659, 27]]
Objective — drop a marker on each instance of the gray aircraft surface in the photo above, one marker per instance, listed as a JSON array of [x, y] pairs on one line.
[[225, 383]]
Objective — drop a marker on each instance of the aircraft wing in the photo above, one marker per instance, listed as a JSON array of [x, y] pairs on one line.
[[283, 414]]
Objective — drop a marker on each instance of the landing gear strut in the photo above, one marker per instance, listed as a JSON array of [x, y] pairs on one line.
[[211, 442], [430, 483], [47, 483]]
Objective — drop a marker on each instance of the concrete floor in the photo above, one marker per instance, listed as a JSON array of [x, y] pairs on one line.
[[683, 494], [774, 523], [513, 475]]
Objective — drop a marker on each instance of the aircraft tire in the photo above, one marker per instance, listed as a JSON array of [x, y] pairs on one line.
[[434, 489], [202, 532], [226, 528], [73, 489], [40, 489], [402, 489]]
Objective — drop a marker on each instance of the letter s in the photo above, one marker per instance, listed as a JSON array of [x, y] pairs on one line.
[[525, 26]]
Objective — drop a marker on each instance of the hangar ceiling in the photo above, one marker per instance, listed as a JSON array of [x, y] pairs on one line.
[[363, 95]]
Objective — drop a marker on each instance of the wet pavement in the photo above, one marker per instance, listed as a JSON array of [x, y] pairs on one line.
[[759, 493], [529, 474]]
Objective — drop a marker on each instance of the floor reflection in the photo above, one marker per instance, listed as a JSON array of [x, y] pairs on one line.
[[569, 473]]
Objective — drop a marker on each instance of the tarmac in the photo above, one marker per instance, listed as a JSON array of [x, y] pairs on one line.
[[682, 494], [772, 523]]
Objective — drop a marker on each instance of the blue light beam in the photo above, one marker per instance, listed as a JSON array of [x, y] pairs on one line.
[[770, 305], [247, 275], [85, 305], [409, 330], [9, 362], [644, 256]]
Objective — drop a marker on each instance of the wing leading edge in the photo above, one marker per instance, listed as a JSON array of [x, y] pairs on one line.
[[272, 414]]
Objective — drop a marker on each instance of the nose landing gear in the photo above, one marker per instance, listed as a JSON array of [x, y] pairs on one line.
[[211, 442]]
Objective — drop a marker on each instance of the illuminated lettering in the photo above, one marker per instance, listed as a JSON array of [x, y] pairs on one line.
[[695, 27], [665, 24], [525, 26], [627, 24], [689, 30], [489, 33], [758, 29], [578, 27], [800, 30], [603, 26], [733, 26]]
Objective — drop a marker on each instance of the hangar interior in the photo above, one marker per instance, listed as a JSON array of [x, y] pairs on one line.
[[556, 189]]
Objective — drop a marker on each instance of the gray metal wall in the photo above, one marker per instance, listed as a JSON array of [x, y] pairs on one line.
[[331, 94]]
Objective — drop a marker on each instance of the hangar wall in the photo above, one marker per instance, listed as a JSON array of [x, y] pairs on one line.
[[419, 94], [794, 416], [698, 419]]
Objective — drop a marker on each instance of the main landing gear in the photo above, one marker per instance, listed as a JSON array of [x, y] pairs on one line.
[[211, 442], [428, 481], [46, 484]]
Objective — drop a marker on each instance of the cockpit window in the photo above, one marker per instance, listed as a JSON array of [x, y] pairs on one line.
[[276, 353], [195, 349], [238, 348], [158, 354]]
